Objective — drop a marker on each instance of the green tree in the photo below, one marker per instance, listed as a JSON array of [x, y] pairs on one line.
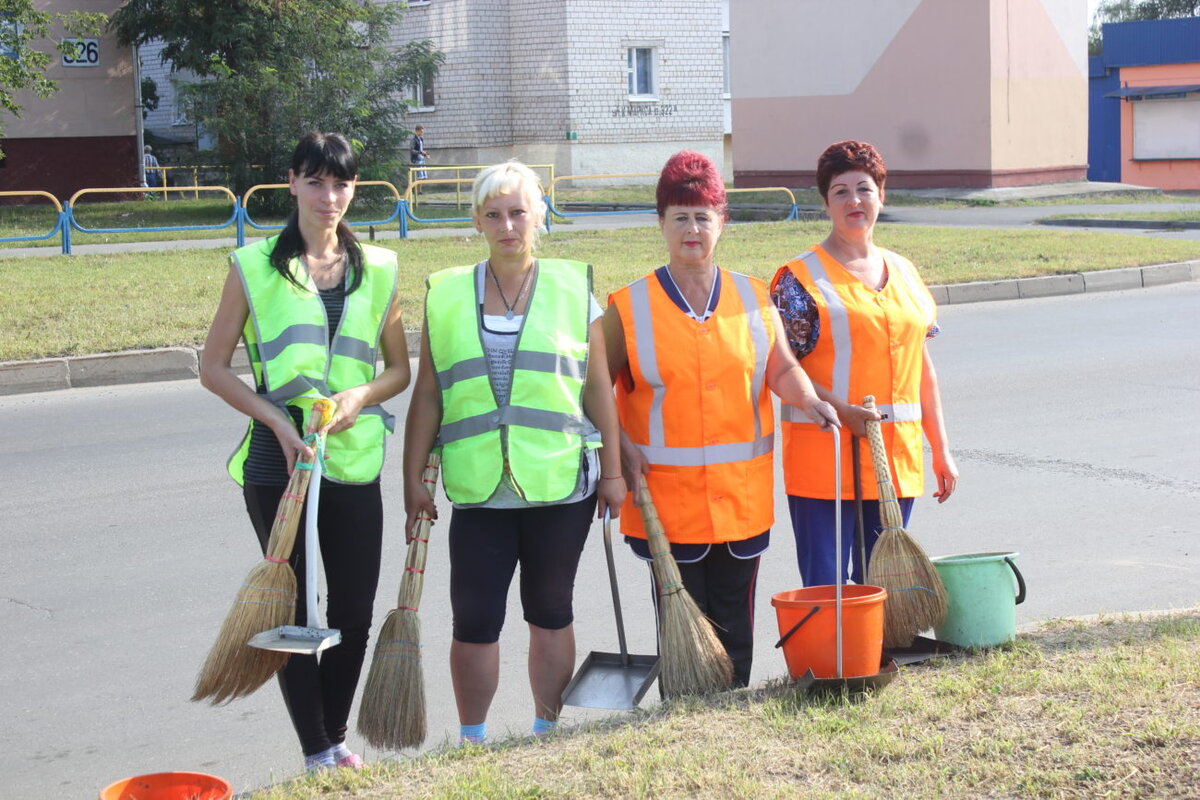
[[267, 71], [22, 66], [1134, 11]]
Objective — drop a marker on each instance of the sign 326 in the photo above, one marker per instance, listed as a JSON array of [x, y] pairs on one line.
[[81, 53]]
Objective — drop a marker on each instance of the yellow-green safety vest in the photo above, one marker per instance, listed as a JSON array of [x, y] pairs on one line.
[[287, 342], [542, 430]]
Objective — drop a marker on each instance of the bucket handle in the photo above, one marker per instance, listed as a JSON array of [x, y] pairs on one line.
[[783, 639], [1020, 580]]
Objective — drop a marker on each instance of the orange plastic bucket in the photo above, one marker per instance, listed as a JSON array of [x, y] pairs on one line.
[[169, 786], [813, 645]]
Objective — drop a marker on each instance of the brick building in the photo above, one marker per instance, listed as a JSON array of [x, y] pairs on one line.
[[610, 90]]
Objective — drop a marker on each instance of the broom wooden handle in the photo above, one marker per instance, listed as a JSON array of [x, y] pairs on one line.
[[287, 516], [665, 568], [413, 581], [888, 506]]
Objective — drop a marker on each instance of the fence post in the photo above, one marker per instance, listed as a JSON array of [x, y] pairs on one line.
[[403, 215], [549, 213], [239, 214], [65, 221]]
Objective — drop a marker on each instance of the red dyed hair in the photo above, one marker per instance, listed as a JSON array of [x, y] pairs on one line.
[[848, 156], [690, 179]]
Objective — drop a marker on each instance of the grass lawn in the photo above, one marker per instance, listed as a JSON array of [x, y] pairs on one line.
[[59, 306], [1104, 708]]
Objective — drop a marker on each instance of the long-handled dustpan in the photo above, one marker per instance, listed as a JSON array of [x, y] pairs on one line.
[[888, 666], [307, 639], [611, 680]]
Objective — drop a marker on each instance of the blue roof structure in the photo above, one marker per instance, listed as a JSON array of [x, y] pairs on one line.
[[1155, 41]]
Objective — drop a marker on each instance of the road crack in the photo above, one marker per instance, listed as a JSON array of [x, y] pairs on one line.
[[48, 612], [1081, 469]]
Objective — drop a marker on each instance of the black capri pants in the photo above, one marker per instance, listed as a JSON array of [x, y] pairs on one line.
[[486, 544]]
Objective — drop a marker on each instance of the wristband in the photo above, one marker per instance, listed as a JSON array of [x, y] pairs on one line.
[[611, 477]]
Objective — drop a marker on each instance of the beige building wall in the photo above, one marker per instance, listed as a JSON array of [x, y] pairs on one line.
[[946, 89], [91, 101], [1039, 86]]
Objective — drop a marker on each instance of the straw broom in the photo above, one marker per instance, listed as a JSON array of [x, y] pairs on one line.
[[266, 600], [693, 659], [392, 712], [916, 597]]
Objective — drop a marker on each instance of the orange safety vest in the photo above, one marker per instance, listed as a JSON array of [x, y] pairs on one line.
[[696, 403], [871, 343]]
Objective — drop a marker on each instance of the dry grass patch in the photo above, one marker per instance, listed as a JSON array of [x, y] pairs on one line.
[[1103, 708]]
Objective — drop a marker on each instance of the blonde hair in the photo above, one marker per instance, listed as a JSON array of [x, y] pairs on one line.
[[509, 177]]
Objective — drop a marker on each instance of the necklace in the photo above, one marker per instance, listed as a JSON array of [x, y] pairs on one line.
[[508, 307]]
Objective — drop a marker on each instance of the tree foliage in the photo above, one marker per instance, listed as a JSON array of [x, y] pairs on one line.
[[22, 66], [1134, 11], [267, 71]]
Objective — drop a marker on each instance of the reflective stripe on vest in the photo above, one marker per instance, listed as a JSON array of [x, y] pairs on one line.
[[695, 402], [290, 354], [541, 432], [869, 343], [656, 451]]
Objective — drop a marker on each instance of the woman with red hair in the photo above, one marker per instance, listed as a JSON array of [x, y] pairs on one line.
[[858, 317], [693, 350]]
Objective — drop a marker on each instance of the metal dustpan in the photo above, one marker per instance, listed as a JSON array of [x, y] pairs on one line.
[[611, 680], [307, 639]]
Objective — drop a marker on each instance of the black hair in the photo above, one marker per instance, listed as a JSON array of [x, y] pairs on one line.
[[320, 154]]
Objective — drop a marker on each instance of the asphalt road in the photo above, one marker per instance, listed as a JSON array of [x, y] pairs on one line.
[[1073, 419]]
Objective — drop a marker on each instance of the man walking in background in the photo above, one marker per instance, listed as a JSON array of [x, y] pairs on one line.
[[417, 154]]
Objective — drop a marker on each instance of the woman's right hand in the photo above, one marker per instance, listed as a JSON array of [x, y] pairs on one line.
[[855, 418], [417, 504], [290, 441], [633, 462]]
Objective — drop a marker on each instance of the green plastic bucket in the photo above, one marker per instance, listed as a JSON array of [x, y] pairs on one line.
[[983, 591]]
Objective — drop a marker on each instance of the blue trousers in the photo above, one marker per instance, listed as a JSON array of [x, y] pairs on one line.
[[812, 525]]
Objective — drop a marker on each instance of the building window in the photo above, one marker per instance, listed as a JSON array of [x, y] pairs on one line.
[[726, 86], [1166, 128], [10, 33], [420, 95], [641, 69]]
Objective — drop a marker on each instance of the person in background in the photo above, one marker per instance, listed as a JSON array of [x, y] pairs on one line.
[[695, 351], [416, 151], [151, 174], [513, 385], [316, 309], [859, 318]]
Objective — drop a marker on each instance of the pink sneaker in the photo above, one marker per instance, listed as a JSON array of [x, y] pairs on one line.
[[352, 761]]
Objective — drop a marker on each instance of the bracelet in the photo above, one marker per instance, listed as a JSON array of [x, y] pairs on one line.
[[611, 477]]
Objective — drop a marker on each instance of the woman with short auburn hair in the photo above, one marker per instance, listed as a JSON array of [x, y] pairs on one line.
[[858, 317]]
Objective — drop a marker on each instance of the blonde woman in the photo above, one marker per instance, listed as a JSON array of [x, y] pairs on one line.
[[513, 386]]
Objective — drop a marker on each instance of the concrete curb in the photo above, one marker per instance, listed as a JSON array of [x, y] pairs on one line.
[[181, 363], [1137, 224]]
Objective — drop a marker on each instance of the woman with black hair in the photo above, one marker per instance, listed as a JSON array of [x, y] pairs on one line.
[[316, 309]]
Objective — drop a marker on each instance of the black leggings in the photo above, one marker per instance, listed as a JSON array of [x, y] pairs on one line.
[[486, 545], [318, 693]]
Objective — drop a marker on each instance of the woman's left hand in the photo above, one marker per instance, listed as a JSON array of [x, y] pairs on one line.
[[349, 404], [947, 476], [610, 495]]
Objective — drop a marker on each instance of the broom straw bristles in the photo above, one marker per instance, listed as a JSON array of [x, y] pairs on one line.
[[692, 658], [392, 712], [916, 597], [266, 600]]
